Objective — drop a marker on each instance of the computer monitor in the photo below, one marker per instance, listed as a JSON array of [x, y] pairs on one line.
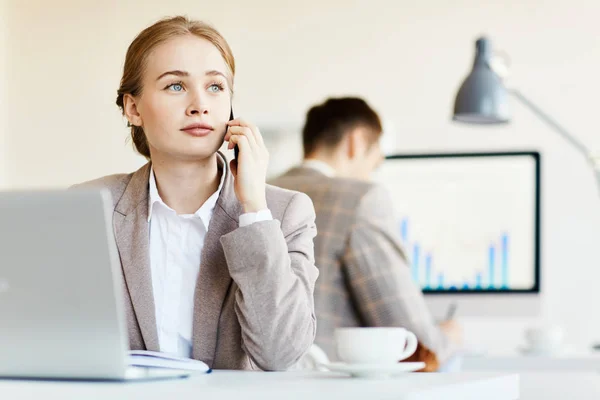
[[470, 226]]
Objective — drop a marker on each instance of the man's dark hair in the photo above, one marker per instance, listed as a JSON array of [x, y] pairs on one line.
[[327, 123]]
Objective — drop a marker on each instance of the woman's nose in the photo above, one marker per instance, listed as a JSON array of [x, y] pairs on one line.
[[197, 107]]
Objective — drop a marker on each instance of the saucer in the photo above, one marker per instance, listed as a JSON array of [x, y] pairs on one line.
[[373, 370], [558, 351]]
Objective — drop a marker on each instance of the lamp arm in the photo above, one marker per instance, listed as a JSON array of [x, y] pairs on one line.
[[593, 161], [553, 124]]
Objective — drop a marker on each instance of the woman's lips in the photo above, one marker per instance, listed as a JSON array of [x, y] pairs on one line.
[[198, 130]]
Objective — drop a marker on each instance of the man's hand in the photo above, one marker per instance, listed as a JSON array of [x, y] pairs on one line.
[[453, 330]]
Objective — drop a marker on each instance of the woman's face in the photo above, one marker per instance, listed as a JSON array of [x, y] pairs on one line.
[[185, 101]]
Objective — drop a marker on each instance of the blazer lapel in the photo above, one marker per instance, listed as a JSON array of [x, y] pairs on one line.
[[132, 236], [214, 280]]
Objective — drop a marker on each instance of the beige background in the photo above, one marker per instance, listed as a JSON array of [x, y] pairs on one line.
[[61, 62]]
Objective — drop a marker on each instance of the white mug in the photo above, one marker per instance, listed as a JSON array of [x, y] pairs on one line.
[[374, 345], [544, 338]]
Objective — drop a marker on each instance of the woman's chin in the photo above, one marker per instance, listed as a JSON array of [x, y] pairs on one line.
[[193, 154], [188, 150]]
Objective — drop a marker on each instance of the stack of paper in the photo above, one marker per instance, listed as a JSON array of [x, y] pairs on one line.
[[146, 358]]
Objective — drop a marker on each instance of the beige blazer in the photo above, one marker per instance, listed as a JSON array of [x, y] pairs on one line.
[[254, 305], [364, 275]]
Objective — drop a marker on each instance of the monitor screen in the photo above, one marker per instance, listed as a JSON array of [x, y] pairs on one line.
[[469, 222]]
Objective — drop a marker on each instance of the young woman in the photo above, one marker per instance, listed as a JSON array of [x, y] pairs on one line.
[[218, 266]]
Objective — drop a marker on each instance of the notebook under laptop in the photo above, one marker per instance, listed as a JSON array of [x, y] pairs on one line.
[[61, 313]]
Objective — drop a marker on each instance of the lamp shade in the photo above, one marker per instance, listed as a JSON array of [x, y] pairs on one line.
[[482, 97]]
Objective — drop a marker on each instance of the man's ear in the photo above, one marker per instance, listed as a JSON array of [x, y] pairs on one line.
[[355, 143], [131, 111]]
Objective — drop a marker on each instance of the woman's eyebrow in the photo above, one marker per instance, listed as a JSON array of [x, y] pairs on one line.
[[174, 72], [180, 73], [214, 72]]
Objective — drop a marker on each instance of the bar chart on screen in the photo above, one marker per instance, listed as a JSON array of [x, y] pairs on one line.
[[493, 275], [466, 224]]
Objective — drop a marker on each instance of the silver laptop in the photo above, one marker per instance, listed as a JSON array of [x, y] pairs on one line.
[[61, 306]]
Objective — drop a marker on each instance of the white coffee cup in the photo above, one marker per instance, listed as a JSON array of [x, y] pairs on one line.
[[544, 338], [374, 345]]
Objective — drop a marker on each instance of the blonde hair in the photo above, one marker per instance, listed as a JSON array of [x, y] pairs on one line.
[[142, 46]]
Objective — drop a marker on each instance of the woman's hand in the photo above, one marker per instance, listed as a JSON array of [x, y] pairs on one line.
[[250, 169]]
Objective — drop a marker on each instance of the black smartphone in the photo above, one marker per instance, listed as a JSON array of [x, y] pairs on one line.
[[236, 149]]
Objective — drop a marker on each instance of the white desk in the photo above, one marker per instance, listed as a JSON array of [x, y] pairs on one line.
[[560, 386], [224, 385], [515, 362]]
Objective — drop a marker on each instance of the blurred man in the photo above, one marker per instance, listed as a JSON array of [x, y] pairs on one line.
[[364, 275]]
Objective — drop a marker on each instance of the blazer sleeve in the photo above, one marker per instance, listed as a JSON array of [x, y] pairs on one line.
[[273, 264], [380, 281]]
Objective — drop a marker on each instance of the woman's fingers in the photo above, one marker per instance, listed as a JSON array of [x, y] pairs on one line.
[[253, 129], [241, 131]]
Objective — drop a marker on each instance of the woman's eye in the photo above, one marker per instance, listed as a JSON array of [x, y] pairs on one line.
[[214, 88], [176, 87]]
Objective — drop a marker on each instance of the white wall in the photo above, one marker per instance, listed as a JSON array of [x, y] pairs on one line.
[[3, 90], [407, 58]]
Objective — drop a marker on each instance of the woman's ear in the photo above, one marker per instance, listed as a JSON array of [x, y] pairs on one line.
[[131, 111]]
